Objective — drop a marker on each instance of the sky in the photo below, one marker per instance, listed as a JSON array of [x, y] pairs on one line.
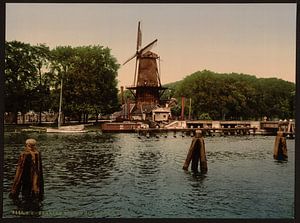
[[256, 39]]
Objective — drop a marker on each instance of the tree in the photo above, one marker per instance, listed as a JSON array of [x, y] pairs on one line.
[[204, 116], [237, 96], [41, 93], [61, 62], [20, 79], [89, 76]]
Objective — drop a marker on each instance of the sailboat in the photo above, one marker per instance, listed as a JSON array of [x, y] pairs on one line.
[[65, 129]]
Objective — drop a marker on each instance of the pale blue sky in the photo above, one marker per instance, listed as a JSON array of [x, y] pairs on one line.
[[257, 39]]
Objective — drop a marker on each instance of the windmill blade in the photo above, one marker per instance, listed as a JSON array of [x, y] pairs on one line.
[[139, 37], [130, 58], [135, 69], [148, 47]]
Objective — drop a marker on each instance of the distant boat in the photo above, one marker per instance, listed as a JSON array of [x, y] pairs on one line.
[[65, 129]]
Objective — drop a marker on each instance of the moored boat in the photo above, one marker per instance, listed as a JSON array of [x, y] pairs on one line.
[[67, 129]]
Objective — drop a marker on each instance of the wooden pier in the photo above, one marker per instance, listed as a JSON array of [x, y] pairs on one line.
[[205, 131], [208, 127]]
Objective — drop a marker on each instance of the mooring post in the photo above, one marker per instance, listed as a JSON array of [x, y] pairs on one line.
[[192, 134], [280, 148], [29, 174], [196, 154]]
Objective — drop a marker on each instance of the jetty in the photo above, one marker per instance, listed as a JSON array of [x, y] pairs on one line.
[[208, 127], [205, 131]]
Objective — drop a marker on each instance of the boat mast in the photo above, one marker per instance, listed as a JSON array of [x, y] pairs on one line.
[[60, 102]]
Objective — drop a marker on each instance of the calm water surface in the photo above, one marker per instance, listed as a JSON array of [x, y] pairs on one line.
[[120, 175]]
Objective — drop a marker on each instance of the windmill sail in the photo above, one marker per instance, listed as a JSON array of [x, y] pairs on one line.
[[148, 47], [130, 58], [142, 51], [139, 37]]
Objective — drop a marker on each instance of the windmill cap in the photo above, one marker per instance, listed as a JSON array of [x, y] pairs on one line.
[[30, 142]]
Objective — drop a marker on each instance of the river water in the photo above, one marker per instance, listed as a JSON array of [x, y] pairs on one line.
[[97, 175]]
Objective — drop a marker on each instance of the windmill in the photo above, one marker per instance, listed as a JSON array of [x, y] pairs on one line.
[[146, 88]]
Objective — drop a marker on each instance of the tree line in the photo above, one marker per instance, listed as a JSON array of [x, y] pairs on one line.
[[223, 96], [33, 77]]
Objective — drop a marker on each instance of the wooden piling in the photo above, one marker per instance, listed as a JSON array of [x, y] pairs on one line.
[[280, 148], [196, 154], [29, 174]]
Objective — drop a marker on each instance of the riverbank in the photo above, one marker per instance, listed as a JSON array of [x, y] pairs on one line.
[[91, 127], [208, 127]]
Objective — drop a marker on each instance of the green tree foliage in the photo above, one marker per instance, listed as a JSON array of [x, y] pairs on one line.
[[127, 95], [170, 91], [25, 86], [89, 80], [237, 96], [204, 116], [33, 77], [41, 93]]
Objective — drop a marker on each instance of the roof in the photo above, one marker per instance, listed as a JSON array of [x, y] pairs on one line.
[[162, 110]]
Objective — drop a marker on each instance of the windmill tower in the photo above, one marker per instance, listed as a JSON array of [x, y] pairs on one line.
[[146, 88]]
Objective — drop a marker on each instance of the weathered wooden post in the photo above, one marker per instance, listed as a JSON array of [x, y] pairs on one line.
[[182, 108], [122, 96], [280, 148], [196, 153], [166, 134], [29, 174], [192, 133]]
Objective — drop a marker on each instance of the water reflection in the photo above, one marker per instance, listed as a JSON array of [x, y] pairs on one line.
[[82, 160], [195, 196], [88, 166], [120, 175], [148, 162]]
